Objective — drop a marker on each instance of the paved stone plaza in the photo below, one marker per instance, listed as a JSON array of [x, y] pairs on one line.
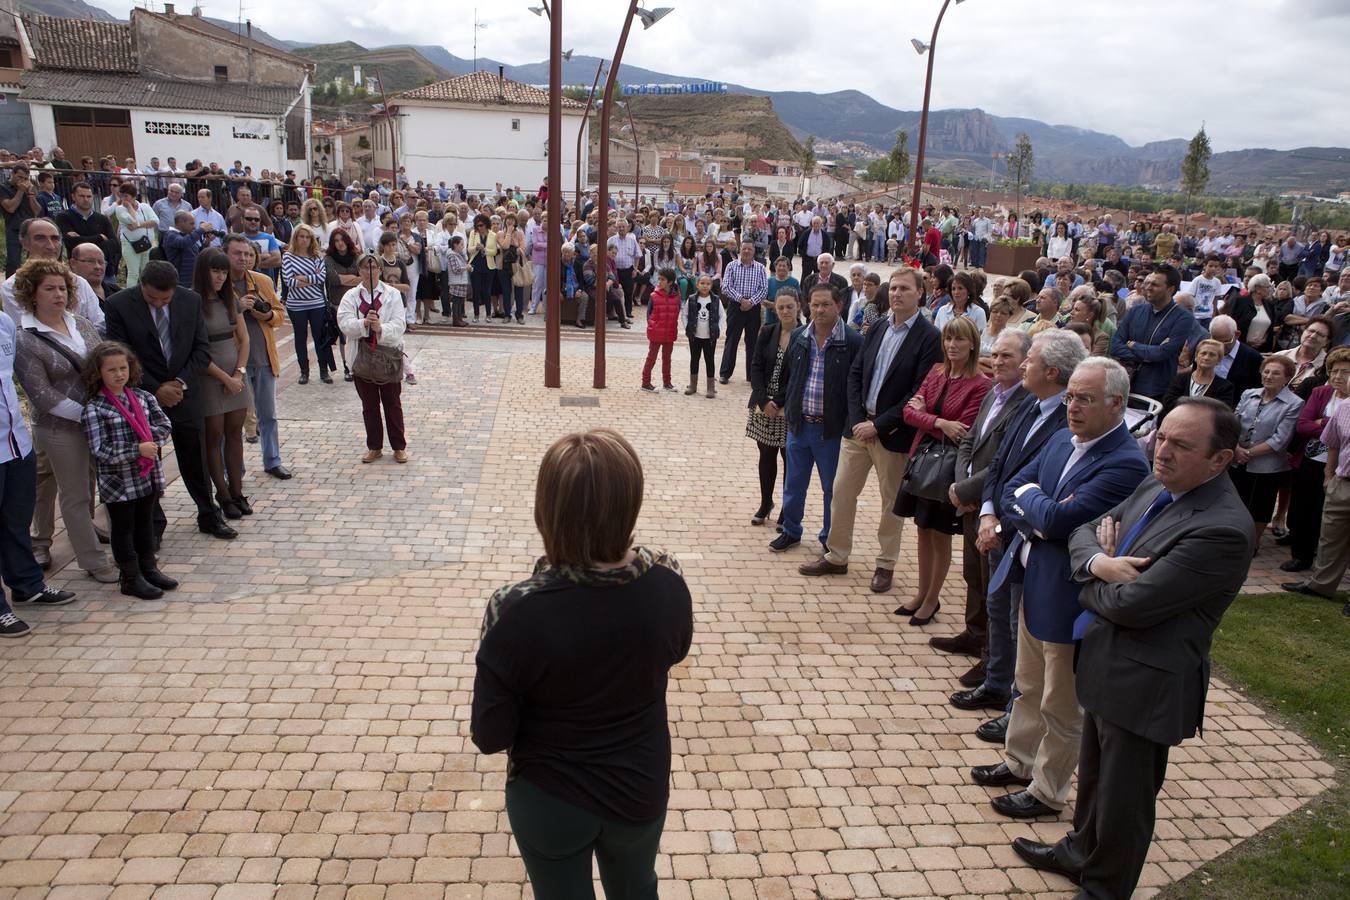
[[293, 722]]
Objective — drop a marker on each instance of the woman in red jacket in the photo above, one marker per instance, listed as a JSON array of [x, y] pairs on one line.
[[663, 324], [943, 410]]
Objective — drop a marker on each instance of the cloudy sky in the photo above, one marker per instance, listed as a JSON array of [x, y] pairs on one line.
[[1145, 69]]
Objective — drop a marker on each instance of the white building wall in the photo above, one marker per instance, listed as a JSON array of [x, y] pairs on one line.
[[211, 137], [479, 147]]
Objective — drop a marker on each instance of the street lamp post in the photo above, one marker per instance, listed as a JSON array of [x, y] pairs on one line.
[[581, 132], [931, 48], [601, 248], [553, 289], [637, 156]]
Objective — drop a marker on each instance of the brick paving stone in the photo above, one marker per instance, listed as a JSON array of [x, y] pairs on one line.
[[292, 723]]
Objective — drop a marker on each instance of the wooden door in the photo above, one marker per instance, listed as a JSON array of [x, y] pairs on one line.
[[94, 131]]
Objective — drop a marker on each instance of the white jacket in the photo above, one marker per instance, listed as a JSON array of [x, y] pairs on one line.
[[353, 325]]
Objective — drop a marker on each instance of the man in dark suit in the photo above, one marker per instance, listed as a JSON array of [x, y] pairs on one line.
[[812, 242], [1045, 374], [1081, 473], [162, 324], [1159, 571], [1240, 364], [825, 273], [896, 355], [814, 400], [973, 457]]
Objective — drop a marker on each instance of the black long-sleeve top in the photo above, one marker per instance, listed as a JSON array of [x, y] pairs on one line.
[[572, 673]]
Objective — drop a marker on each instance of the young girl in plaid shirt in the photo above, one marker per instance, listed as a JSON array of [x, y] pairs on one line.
[[126, 429]]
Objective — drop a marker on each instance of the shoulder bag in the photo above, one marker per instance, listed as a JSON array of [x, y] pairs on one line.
[[931, 470]]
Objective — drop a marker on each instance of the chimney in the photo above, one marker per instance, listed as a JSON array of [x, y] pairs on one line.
[[249, 27], [168, 10], [501, 83]]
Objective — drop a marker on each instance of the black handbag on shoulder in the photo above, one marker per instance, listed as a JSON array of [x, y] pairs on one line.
[[931, 470]]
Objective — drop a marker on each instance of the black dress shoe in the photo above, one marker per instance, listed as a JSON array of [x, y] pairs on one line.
[[1295, 565], [217, 529], [995, 731], [974, 676], [1021, 805], [783, 542], [1042, 856], [979, 699], [280, 472], [304, 379], [996, 776]]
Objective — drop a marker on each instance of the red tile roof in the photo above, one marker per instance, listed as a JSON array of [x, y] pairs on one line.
[[81, 44], [483, 88]]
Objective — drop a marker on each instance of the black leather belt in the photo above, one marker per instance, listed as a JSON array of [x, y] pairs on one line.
[[814, 420]]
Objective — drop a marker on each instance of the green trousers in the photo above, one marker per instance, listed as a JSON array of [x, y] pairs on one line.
[[557, 840]]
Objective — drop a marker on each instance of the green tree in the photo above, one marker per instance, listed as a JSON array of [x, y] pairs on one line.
[[1269, 213], [577, 93], [1195, 167], [899, 158], [808, 157], [1021, 162], [878, 170]]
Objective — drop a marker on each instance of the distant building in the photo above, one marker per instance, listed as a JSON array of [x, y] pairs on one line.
[[166, 85], [16, 55], [681, 169], [476, 130]]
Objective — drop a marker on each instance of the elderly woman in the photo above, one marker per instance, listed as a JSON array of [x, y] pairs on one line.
[[484, 268], [50, 351], [572, 669], [1311, 352], [1268, 415], [1307, 491], [1202, 380], [1001, 311], [371, 316], [941, 412]]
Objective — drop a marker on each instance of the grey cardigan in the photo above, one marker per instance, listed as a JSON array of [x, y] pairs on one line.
[[1273, 425], [48, 377]]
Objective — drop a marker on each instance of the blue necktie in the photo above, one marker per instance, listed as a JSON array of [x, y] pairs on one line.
[[1160, 502]]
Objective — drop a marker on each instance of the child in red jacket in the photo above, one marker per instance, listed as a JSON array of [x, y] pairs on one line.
[[663, 323]]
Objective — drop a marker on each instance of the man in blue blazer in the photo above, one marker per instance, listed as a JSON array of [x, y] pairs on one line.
[[1082, 473]]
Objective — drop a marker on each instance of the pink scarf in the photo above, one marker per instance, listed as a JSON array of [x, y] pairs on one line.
[[139, 422]]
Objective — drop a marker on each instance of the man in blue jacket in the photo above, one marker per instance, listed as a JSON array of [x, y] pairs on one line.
[[815, 402], [1082, 473], [1151, 335]]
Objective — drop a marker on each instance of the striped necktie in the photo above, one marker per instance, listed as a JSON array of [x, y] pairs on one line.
[[162, 326]]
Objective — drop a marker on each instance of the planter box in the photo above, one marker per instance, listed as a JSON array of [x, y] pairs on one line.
[[1003, 260]]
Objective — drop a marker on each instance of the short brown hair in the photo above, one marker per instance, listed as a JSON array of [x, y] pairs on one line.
[[1339, 355], [587, 498], [914, 275], [1283, 362], [91, 375], [30, 275]]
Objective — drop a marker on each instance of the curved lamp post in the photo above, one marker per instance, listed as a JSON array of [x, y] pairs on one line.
[[553, 290], [649, 17], [931, 49]]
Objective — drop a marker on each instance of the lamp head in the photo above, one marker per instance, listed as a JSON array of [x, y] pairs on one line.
[[538, 10], [650, 17], [919, 46], [567, 55]]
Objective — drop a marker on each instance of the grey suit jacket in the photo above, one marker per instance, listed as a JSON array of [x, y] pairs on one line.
[[1144, 661], [976, 453]]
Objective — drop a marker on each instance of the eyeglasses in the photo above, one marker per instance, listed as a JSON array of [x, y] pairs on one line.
[[252, 219], [1079, 400]]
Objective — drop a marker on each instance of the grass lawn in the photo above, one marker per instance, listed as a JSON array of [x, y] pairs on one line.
[[1290, 654]]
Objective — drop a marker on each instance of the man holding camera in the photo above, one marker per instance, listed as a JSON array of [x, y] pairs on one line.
[[262, 317], [19, 201]]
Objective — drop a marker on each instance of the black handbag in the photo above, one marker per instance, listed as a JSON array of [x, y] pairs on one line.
[[141, 244], [931, 470]]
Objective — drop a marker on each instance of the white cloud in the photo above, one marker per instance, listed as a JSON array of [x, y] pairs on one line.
[[1145, 70]]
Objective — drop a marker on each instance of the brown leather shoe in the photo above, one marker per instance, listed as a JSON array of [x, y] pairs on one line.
[[822, 566], [400, 456], [964, 642], [974, 676], [881, 580], [372, 455]]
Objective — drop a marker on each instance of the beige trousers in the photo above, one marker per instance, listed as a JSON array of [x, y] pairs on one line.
[[856, 460], [66, 451], [1047, 722], [1333, 548]]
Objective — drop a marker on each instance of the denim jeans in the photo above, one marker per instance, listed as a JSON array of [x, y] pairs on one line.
[[18, 496], [540, 286], [1003, 605], [879, 247], [978, 251], [804, 449], [303, 321], [264, 386]]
